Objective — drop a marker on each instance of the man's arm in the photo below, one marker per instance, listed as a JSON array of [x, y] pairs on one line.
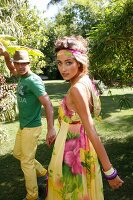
[[51, 133], [8, 61]]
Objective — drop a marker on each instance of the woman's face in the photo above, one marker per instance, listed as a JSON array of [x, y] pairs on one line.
[[67, 65]]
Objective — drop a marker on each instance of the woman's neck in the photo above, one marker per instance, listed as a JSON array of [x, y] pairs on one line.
[[76, 78]]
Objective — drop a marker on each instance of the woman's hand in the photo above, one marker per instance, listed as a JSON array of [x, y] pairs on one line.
[[116, 183]]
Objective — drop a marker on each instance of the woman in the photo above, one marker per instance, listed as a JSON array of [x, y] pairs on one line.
[[74, 171]]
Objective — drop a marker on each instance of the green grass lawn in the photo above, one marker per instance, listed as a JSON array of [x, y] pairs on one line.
[[115, 129]]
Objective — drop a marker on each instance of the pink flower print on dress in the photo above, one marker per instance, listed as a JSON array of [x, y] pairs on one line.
[[72, 152], [72, 159], [83, 138], [72, 156], [71, 144]]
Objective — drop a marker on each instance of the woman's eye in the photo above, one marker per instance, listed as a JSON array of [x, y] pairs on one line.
[[58, 63], [66, 63], [69, 63]]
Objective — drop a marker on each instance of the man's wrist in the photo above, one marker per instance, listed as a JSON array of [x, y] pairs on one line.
[[49, 128]]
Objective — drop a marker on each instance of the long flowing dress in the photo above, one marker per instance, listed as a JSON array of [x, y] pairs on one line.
[[74, 171]]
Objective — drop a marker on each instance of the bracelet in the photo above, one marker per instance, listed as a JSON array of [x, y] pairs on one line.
[[112, 176], [109, 172]]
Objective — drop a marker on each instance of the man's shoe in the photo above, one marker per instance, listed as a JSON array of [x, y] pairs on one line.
[[42, 192]]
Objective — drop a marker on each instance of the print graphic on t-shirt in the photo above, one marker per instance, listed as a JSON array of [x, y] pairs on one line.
[[20, 90], [21, 94]]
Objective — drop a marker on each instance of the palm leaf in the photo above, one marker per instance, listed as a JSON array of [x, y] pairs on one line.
[[6, 41], [7, 37], [32, 52]]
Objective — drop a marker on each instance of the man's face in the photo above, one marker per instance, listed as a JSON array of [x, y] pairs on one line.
[[22, 68]]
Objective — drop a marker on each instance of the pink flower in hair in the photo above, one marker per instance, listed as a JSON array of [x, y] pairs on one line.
[[75, 51]]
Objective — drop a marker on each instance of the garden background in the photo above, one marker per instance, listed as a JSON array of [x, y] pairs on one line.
[[108, 27]]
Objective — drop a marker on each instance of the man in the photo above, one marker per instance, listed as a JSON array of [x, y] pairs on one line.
[[31, 95]]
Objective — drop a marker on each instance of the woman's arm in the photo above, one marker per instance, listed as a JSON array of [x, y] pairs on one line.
[[80, 101]]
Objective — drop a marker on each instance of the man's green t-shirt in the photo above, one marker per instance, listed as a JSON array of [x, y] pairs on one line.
[[28, 90]]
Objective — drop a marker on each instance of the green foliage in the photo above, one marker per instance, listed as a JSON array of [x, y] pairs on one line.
[[107, 25], [74, 19], [3, 135], [8, 103], [112, 44], [50, 68], [25, 25]]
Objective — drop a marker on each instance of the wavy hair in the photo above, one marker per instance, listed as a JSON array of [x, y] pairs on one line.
[[78, 44]]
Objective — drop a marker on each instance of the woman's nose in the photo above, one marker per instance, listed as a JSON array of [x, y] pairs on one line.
[[64, 67]]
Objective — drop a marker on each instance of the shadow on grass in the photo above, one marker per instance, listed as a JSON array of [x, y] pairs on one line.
[[110, 104], [122, 124], [120, 153], [125, 123], [11, 177]]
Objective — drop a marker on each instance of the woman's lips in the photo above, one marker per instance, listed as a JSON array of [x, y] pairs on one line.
[[65, 74]]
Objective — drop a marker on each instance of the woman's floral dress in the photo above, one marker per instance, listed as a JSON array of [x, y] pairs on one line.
[[74, 171]]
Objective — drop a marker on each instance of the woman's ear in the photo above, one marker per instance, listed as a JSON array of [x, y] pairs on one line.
[[80, 66]]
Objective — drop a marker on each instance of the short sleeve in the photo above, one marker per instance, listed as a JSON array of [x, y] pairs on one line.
[[37, 86]]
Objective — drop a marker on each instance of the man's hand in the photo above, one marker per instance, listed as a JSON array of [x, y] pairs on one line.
[[9, 63], [51, 136], [2, 49]]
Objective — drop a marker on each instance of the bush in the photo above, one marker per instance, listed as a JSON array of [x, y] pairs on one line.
[[8, 103]]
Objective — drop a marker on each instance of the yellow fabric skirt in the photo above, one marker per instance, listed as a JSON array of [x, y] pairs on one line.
[[74, 171]]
